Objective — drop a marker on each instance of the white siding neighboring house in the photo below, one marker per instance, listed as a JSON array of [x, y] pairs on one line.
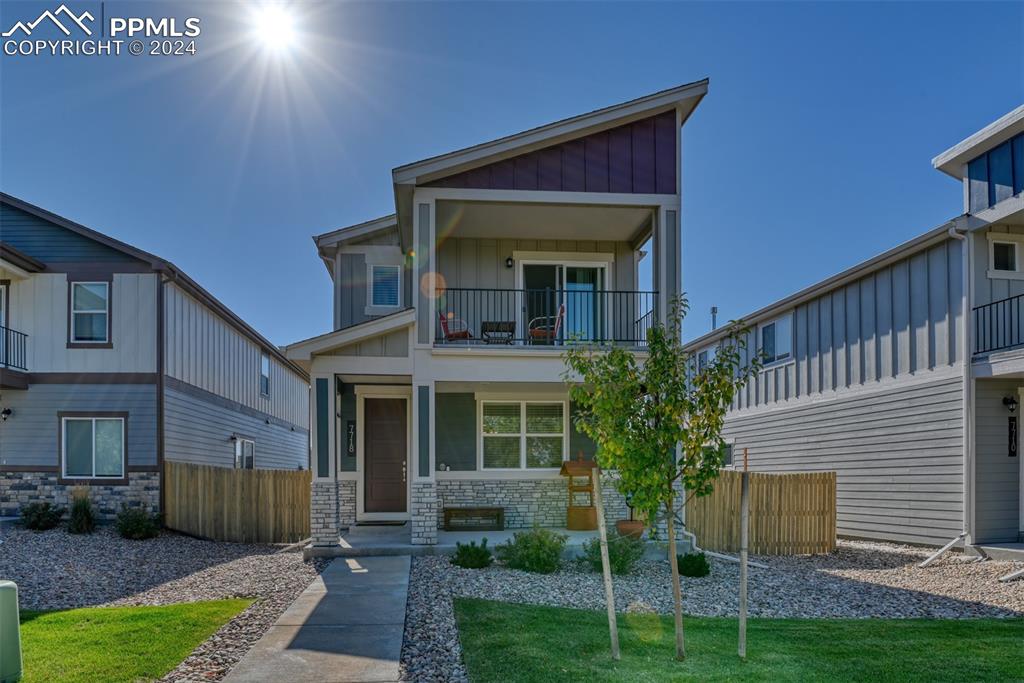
[[112, 360], [901, 370]]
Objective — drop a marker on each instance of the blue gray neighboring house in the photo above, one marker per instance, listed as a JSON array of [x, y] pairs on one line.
[[112, 360]]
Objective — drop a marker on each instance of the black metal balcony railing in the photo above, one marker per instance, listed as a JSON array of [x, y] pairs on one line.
[[12, 349], [544, 317], [999, 325]]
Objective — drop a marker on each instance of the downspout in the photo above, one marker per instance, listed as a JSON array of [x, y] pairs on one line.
[[968, 382], [160, 363]]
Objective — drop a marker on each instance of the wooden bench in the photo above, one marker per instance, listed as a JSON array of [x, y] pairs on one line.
[[474, 519]]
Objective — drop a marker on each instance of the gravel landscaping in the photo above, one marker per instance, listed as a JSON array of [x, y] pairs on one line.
[[859, 580], [56, 570]]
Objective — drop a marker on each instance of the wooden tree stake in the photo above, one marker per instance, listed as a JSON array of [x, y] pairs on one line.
[[606, 570]]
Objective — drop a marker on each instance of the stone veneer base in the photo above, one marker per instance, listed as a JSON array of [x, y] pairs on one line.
[[18, 489]]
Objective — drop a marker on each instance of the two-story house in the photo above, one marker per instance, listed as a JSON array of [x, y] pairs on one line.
[[905, 373], [441, 384], [113, 360]]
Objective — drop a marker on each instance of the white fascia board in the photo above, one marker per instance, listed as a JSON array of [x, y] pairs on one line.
[[550, 134], [307, 348], [952, 160], [350, 232]]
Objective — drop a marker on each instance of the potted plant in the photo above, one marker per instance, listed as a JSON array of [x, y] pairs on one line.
[[634, 528]]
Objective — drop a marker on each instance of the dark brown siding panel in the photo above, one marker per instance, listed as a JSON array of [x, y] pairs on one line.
[[665, 153], [549, 169], [573, 168], [638, 157], [597, 162], [643, 156], [620, 160]]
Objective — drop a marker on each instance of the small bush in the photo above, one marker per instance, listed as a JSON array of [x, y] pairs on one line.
[[83, 518], [41, 516], [539, 550], [623, 553], [472, 556], [693, 564], [136, 524]]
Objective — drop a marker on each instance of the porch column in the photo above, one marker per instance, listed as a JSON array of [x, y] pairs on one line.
[[323, 514], [668, 259], [423, 505]]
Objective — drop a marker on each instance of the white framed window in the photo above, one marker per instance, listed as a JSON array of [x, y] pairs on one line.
[[776, 339], [517, 435], [245, 454], [705, 356], [92, 447], [90, 312], [264, 374], [385, 286], [1004, 256]]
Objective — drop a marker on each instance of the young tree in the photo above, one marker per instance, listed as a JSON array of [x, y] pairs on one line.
[[658, 422]]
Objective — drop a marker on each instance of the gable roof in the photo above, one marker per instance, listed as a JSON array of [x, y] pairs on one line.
[[159, 265], [304, 350]]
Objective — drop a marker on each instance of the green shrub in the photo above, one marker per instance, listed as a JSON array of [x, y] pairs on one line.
[[136, 524], [539, 550], [693, 564], [623, 553], [41, 516], [472, 556], [83, 518]]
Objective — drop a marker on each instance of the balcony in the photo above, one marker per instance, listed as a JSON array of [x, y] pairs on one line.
[[13, 359], [543, 318], [999, 325]]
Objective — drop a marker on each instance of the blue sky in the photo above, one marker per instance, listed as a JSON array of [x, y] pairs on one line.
[[810, 153]]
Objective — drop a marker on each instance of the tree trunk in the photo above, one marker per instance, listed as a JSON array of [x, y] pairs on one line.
[[677, 592]]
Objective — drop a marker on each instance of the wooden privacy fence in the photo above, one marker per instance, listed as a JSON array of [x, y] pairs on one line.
[[790, 514], [247, 506]]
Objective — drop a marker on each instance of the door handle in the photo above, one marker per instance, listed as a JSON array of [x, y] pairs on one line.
[[403, 472]]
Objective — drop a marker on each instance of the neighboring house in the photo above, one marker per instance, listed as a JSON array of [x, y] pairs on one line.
[[112, 360], [441, 383], [903, 373]]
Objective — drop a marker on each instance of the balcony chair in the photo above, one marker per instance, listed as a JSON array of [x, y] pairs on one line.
[[454, 329], [545, 329]]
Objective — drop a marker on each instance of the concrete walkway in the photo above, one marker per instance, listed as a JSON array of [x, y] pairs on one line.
[[347, 626]]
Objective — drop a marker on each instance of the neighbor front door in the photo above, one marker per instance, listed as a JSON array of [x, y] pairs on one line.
[[384, 457]]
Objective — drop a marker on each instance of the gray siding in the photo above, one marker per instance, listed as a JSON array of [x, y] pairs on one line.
[[51, 243], [455, 421], [997, 476], [346, 402], [29, 436], [199, 430], [425, 257], [392, 345], [987, 290], [899, 320], [897, 452]]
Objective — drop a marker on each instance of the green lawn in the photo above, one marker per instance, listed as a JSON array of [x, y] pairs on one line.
[[505, 642], [117, 643]]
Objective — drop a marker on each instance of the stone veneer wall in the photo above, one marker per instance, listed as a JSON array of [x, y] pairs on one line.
[[424, 512], [346, 502], [527, 502], [18, 489], [323, 514]]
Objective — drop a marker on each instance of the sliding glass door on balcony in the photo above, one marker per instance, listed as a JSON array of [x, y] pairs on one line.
[[564, 302]]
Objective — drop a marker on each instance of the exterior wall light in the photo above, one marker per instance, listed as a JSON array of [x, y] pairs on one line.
[[1011, 403], [509, 262], [5, 413]]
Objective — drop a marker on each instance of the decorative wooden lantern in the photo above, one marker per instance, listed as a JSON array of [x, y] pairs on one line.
[[580, 517]]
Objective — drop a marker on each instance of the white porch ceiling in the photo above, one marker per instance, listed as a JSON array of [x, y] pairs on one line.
[[504, 220]]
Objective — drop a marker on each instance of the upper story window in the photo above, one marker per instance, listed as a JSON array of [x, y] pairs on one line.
[[385, 285], [1004, 256], [996, 175], [264, 374], [522, 434], [777, 339], [90, 312]]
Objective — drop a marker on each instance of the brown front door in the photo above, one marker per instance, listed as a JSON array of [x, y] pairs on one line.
[[384, 446]]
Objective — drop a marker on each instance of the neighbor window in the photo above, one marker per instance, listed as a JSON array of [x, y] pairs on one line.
[[777, 339], [93, 447], [264, 374], [522, 434], [90, 312], [384, 285], [1004, 256], [245, 454], [702, 361]]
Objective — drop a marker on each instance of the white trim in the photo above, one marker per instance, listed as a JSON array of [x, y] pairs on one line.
[[601, 257], [362, 393], [105, 311], [759, 342], [499, 475], [991, 136], [240, 442], [560, 260], [15, 270], [382, 309], [264, 356], [358, 230], [64, 448], [304, 350], [1004, 238], [523, 433]]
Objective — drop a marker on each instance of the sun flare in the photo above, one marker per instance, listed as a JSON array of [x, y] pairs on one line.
[[274, 27]]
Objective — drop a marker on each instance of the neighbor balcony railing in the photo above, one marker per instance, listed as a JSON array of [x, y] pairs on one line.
[[999, 325], [543, 317], [13, 345]]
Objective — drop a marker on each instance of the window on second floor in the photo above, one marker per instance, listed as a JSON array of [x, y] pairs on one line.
[[264, 374], [996, 175], [385, 285], [1004, 257], [777, 339], [90, 312]]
